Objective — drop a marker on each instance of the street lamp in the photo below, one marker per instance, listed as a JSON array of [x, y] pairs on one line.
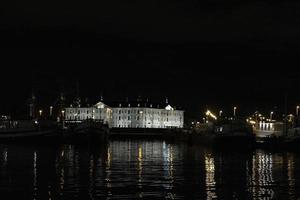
[[206, 114], [62, 118], [234, 111], [271, 115], [40, 112], [51, 108], [220, 113]]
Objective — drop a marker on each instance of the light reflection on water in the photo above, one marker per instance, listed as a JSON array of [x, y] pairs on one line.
[[210, 176], [262, 175], [146, 169]]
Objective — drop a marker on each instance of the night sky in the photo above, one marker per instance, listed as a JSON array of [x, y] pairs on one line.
[[200, 54]]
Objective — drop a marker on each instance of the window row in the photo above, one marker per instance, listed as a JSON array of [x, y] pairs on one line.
[[85, 111]]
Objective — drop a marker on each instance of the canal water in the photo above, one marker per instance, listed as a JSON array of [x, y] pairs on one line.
[[146, 169]]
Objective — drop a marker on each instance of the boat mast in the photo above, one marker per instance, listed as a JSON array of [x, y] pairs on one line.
[[285, 114], [77, 99], [32, 106]]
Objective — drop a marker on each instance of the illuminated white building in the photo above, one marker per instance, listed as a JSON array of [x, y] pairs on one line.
[[129, 115], [99, 111], [140, 115]]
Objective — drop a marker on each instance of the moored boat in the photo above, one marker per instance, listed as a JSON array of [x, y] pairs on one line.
[[229, 133], [268, 133], [88, 130], [28, 130]]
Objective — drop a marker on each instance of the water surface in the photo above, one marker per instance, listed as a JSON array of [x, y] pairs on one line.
[[146, 169]]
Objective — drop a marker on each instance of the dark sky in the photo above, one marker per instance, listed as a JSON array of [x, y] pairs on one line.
[[208, 53]]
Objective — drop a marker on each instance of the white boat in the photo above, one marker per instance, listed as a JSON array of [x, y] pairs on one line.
[[268, 132]]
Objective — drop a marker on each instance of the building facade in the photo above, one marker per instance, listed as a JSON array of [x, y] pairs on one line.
[[129, 115], [99, 111], [139, 116]]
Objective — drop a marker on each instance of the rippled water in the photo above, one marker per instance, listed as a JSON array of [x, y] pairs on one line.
[[146, 169]]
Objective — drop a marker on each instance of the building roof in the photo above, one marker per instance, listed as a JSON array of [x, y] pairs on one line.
[[143, 104], [100, 104], [133, 104]]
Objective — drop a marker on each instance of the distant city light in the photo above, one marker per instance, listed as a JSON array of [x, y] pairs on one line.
[[234, 111], [51, 108], [271, 115], [209, 113], [252, 122]]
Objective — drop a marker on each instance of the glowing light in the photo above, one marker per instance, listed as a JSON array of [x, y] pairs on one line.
[[209, 113], [252, 122], [51, 108], [140, 165], [234, 111], [140, 152], [271, 114], [168, 107], [220, 113]]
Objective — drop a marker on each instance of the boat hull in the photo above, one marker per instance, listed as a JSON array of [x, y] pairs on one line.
[[85, 133], [30, 136], [218, 140]]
